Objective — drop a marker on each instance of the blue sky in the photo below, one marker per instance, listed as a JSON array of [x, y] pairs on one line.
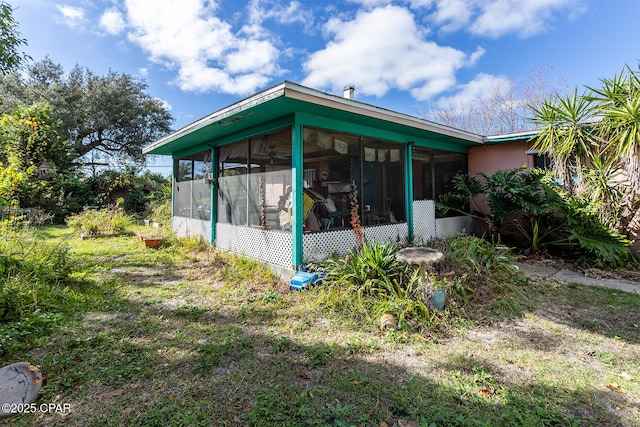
[[409, 56]]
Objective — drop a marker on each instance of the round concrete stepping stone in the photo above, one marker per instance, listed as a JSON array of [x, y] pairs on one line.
[[19, 385]]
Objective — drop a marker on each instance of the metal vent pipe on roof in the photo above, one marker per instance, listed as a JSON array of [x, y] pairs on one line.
[[349, 91]]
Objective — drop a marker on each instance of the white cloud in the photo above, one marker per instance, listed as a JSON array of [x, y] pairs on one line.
[[372, 3], [208, 55], [112, 21], [481, 88], [291, 13], [522, 17], [496, 18], [452, 14], [165, 104], [73, 17], [381, 50]]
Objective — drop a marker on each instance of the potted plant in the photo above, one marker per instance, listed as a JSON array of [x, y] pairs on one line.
[[151, 238]]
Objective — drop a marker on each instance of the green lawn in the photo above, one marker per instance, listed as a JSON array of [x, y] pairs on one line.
[[182, 336]]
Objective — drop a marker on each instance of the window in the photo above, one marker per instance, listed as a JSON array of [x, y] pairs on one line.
[[433, 171], [339, 159], [254, 181], [192, 194], [542, 161]]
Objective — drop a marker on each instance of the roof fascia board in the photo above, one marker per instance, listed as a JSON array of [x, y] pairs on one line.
[[353, 128], [238, 136], [497, 139], [333, 101], [441, 145], [217, 116]]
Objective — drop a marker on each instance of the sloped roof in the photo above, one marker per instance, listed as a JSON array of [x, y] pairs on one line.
[[288, 98]]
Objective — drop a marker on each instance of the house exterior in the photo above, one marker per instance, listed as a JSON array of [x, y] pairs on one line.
[[281, 175], [508, 151]]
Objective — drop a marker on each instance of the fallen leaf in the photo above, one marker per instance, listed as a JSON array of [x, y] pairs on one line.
[[127, 410], [486, 392], [615, 387], [305, 375], [383, 424], [355, 382], [36, 380], [172, 397], [33, 368]]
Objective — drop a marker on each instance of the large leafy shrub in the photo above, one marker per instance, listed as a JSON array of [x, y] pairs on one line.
[[526, 208]]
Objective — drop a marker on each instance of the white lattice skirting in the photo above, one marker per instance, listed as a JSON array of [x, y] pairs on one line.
[[275, 246], [270, 246], [424, 221], [321, 245]]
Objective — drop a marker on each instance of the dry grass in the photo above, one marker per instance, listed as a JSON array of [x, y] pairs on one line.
[[186, 338]]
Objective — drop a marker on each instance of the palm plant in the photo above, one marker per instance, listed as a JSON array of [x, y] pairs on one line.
[[593, 140], [566, 134], [618, 102]]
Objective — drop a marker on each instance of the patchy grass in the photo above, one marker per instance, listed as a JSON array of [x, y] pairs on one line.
[[182, 336]]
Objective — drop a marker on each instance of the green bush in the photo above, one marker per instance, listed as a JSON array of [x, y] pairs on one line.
[[369, 271], [370, 282], [95, 222], [477, 255], [31, 272], [596, 243], [529, 210]]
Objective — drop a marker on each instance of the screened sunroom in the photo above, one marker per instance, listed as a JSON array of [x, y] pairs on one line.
[[292, 175]]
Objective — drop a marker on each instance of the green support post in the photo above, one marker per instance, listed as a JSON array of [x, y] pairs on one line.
[[214, 193], [297, 220], [408, 161]]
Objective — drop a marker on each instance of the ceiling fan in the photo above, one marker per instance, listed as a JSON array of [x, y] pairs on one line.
[[273, 154]]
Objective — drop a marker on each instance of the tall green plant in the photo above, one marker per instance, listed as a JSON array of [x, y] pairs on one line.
[[31, 272], [94, 222], [528, 204], [593, 140], [370, 270]]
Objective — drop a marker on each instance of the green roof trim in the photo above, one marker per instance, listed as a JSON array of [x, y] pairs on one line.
[[519, 136], [286, 101]]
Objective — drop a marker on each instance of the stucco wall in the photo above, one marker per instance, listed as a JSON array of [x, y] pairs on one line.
[[491, 158]]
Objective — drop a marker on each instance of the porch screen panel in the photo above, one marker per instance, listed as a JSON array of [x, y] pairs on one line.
[[232, 183], [182, 187], [192, 195], [340, 159], [254, 183], [434, 170]]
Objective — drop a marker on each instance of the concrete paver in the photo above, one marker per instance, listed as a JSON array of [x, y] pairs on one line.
[[579, 278]]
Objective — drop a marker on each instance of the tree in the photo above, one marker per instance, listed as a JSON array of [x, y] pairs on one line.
[[106, 119], [500, 109], [593, 140], [10, 41], [31, 152]]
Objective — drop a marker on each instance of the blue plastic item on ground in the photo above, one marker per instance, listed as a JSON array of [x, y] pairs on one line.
[[302, 279]]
